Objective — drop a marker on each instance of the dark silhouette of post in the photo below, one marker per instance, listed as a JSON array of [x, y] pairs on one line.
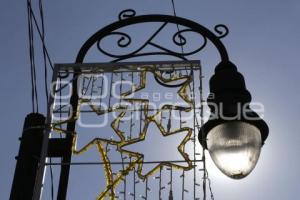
[[28, 157]]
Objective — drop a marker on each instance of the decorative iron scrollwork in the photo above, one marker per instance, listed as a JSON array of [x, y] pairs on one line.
[[222, 30], [180, 38], [126, 14], [125, 40]]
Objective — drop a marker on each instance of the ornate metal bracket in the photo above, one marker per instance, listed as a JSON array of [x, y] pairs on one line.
[[127, 18]]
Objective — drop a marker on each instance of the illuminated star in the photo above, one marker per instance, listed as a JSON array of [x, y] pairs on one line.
[[157, 145]]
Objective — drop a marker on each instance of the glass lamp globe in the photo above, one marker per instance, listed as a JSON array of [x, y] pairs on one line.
[[235, 148]]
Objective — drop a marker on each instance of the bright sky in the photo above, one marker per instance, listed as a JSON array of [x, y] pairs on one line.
[[263, 42]]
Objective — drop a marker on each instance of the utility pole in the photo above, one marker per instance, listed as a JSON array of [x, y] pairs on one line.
[[28, 157]]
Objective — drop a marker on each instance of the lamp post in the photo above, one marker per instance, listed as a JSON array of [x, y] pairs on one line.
[[234, 134]]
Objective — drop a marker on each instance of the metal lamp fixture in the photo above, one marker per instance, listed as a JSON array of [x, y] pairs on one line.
[[234, 134]]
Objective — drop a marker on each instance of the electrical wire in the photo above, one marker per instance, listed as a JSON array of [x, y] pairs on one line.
[[182, 51], [197, 124], [31, 57], [30, 10], [41, 9], [29, 39], [180, 37], [32, 23]]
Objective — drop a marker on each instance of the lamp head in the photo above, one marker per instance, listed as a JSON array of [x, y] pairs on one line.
[[234, 134]]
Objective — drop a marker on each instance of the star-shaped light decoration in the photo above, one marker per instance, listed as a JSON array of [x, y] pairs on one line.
[[168, 142], [100, 143], [118, 109], [138, 158]]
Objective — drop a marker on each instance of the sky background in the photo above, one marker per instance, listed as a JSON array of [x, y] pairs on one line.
[[263, 42]]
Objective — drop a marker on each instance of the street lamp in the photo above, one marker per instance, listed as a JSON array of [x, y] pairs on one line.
[[234, 134]]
